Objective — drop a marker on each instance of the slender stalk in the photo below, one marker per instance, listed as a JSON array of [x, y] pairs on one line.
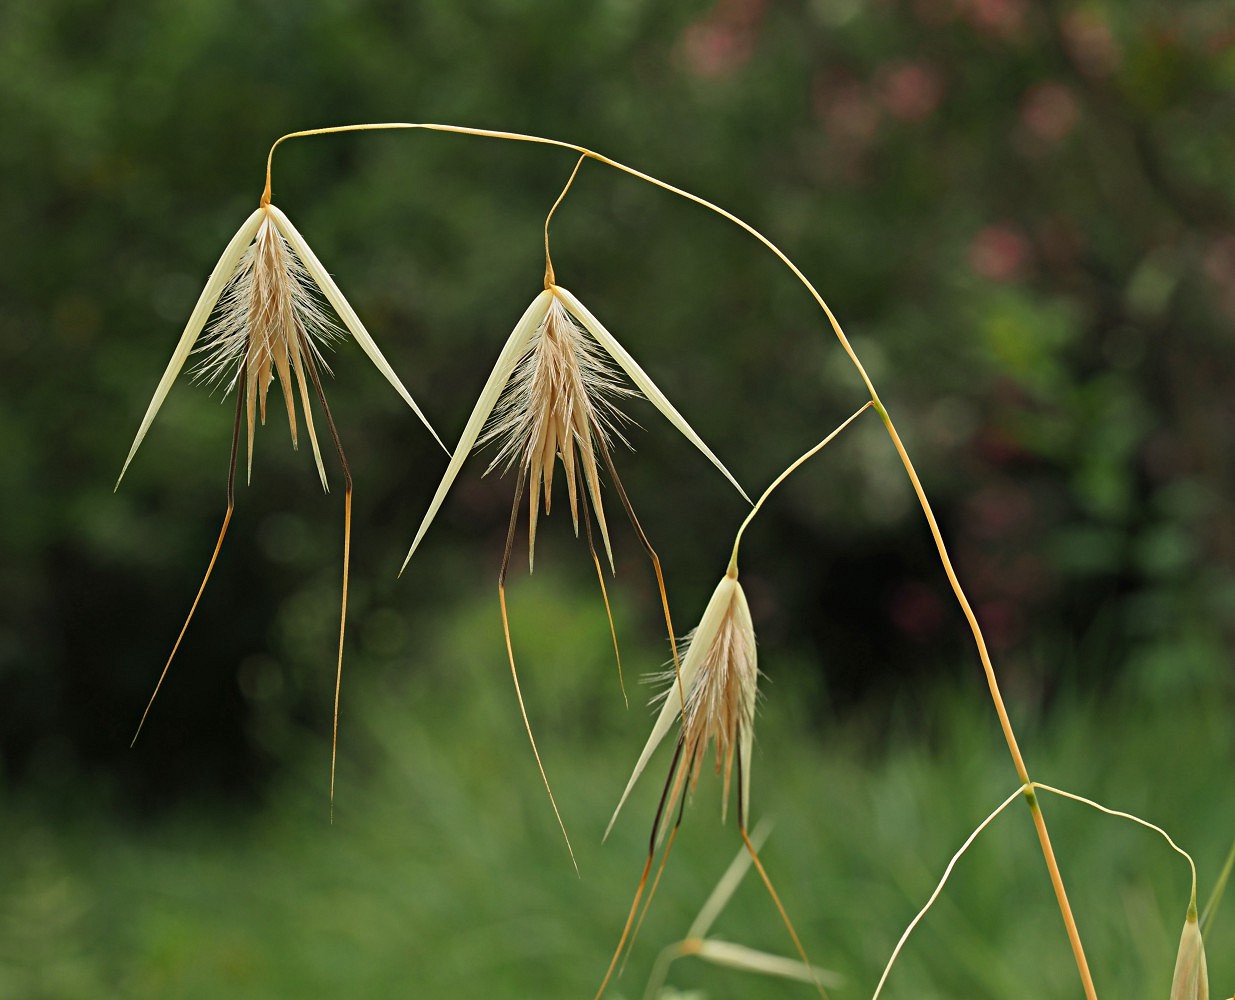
[[307, 354], [887, 969], [600, 576], [1005, 723], [214, 556], [514, 673], [550, 280], [979, 641], [737, 541]]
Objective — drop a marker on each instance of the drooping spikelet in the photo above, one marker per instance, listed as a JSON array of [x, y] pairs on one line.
[[720, 703], [552, 388], [558, 402], [270, 321], [712, 694], [550, 396], [268, 287], [1191, 978], [719, 675]]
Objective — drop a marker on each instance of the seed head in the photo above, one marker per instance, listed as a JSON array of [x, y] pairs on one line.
[[720, 701], [1191, 979], [558, 402], [719, 673], [271, 321], [550, 393]]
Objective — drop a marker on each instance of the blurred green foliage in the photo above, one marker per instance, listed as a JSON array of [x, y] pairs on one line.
[[444, 873], [1023, 214], [1020, 213]]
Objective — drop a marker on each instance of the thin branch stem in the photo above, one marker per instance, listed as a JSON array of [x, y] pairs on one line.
[[307, 354], [514, 673], [1120, 814], [947, 872], [737, 541], [979, 641], [214, 556], [549, 277]]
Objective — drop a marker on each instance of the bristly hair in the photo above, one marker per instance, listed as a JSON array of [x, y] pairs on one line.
[[558, 401], [720, 702], [587, 359], [224, 340], [269, 317]]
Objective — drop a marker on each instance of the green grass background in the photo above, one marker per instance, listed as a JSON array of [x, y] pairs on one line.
[[444, 875], [1069, 400]]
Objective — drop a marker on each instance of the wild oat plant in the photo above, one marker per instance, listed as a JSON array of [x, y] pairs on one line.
[[270, 310]]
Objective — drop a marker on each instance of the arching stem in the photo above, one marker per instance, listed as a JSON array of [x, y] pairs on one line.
[[979, 641]]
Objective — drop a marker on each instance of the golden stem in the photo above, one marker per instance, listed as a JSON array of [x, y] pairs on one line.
[[979, 641], [549, 277], [732, 571]]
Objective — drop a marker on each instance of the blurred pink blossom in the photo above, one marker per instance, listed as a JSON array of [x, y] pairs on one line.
[[1087, 37], [911, 91], [999, 252], [1004, 19], [1049, 111], [722, 41]]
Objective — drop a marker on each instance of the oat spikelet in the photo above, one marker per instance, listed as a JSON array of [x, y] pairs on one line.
[[268, 293], [1191, 978], [558, 403], [270, 318], [720, 699], [265, 286], [712, 693], [720, 675], [550, 393]]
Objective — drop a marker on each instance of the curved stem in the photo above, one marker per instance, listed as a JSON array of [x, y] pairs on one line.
[[737, 541], [1005, 723], [550, 279], [1120, 814], [945, 560]]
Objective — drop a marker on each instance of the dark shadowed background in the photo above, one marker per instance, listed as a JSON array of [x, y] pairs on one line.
[[1024, 216]]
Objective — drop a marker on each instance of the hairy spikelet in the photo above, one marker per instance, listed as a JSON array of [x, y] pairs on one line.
[[270, 321], [550, 392], [712, 695], [269, 296], [558, 402], [721, 697]]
